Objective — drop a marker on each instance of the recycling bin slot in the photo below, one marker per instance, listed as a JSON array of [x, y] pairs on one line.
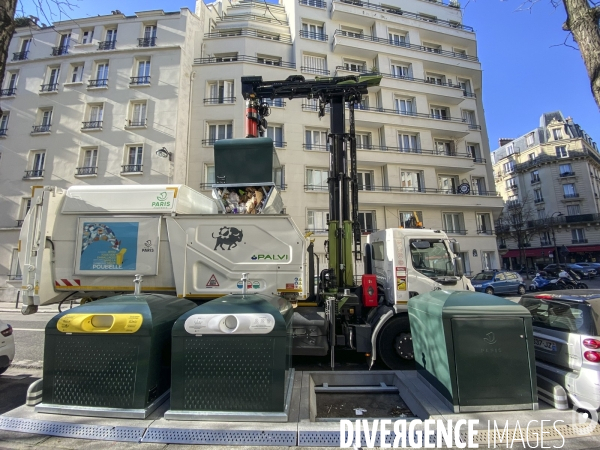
[[111, 357]]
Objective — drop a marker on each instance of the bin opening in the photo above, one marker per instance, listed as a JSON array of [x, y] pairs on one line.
[[102, 322], [334, 406]]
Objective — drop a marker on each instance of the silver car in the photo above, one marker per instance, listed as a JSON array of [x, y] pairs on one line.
[[566, 330]]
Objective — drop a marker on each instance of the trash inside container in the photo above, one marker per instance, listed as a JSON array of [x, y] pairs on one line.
[[111, 357], [475, 350], [231, 360]]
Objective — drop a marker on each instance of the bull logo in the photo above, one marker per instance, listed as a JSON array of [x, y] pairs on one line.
[[229, 236]]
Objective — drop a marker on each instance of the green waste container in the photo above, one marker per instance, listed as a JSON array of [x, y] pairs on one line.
[[475, 350], [245, 161], [231, 360], [111, 357]]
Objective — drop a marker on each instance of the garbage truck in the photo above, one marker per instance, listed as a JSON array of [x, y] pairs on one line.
[[90, 241]]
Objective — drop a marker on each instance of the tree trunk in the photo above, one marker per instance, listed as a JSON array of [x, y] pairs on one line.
[[582, 21], [7, 28]]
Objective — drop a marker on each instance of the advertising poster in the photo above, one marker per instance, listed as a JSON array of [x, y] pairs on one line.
[[125, 246]]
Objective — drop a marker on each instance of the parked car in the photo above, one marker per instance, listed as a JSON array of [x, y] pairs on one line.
[[583, 272], [498, 282], [566, 331], [7, 346], [595, 266]]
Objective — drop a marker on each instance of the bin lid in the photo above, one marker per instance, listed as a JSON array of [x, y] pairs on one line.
[[121, 314], [237, 314], [466, 303]]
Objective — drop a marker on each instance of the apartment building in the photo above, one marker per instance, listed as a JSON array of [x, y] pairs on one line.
[[90, 101], [422, 139], [552, 176]]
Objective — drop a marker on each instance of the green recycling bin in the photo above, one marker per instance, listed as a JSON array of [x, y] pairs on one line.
[[475, 350], [111, 357], [231, 360]]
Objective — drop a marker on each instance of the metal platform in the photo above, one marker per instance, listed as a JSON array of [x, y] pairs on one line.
[[300, 430]]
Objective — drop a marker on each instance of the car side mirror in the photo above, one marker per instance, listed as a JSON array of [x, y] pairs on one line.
[[459, 267]]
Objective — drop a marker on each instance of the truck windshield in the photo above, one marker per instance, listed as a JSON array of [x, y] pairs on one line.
[[434, 261]]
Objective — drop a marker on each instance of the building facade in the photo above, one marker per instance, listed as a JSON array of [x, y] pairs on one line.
[[172, 80], [551, 176]]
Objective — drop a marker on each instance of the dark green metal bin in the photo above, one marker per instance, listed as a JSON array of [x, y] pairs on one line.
[[231, 360], [245, 161], [475, 350], [111, 357]]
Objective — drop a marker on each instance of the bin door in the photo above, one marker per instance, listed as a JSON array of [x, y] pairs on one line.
[[492, 362]]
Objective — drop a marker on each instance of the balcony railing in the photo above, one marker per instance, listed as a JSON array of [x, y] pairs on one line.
[[447, 83], [487, 231], [455, 231], [249, 33], [219, 100], [279, 144], [407, 190], [93, 125], [512, 187], [316, 147], [3, 131], [572, 195], [86, 171], [106, 45], [579, 241], [400, 12], [538, 200], [421, 48], [33, 174], [147, 42], [535, 180], [53, 87], [546, 158], [307, 69], [101, 82], [136, 123], [140, 80], [20, 56], [130, 168], [41, 128], [314, 3], [212, 141], [204, 186], [8, 92], [513, 204], [252, 18], [312, 35], [567, 174], [479, 160], [63, 50], [275, 103], [244, 58]]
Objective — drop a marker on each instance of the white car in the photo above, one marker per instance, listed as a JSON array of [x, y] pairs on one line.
[[7, 346]]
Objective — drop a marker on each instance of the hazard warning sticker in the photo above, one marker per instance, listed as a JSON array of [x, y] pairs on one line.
[[212, 282]]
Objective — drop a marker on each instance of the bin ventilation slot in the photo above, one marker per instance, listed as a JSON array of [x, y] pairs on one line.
[[382, 388], [219, 437]]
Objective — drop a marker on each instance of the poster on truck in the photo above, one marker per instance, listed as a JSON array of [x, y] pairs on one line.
[[117, 246]]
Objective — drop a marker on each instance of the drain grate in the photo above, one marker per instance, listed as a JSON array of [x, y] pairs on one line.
[[218, 437], [332, 439], [532, 434]]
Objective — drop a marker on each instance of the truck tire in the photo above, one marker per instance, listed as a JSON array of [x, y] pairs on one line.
[[394, 344]]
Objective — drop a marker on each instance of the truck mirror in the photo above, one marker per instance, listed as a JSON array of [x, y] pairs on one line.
[[421, 245], [459, 267], [455, 248]]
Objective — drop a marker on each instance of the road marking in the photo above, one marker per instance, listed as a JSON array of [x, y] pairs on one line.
[[29, 329]]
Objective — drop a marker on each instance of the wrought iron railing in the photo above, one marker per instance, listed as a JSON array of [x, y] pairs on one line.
[[58, 51], [86, 170], [140, 80], [314, 3], [314, 70], [147, 42], [455, 231], [95, 124], [219, 100], [572, 195], [106, 45], [3, 131], [53, 87], [20, 56], [41, 128], [567, 174], [33, 173], [8, 92], [101, 82], [129, 168], [249, 33], [579, 241], [312, 35], [244, 58], [136, 123]]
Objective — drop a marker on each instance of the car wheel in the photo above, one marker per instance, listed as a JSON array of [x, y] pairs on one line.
[[489, 291], [521, 290]]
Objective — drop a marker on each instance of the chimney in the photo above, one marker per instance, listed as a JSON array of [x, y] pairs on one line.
[[504, 141]]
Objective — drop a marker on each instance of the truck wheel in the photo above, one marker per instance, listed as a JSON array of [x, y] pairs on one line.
[[394, 344]]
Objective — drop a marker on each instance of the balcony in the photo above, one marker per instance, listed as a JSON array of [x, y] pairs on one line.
[[487, 231], [479, 160], [455, 231], [93, 125], [306, 69], [136, 123], [579, 241], [106, 45], [567, 174], [208, 186], [313, 3], [572, 195], [53, 87], [512, 187], [211, 141], [136, 81], [252, 18], [99, 83], [219, 100], [33, 174], [58, 51], [535, 180], [3, 132], [131, 168], [316, 147], [86, 171], [147, 42], [10, 92], [315, 36], [20, 56], [247, 32], [512, 204], [41, 129], [279, 144], [545, 158], [244, 58]]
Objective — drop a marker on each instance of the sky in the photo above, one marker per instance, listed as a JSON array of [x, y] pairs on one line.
[[527, 69]]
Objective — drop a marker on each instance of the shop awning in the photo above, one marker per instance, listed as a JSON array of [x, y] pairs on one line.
[[584, 248], [529, 252]]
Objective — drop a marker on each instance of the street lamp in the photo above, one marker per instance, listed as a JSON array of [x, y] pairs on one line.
[[557, 259]]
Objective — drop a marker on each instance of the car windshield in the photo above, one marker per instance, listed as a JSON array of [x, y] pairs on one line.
[[484, 276], [565, 316], [434, 261]]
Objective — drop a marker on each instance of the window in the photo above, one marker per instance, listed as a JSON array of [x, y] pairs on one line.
[[478, 185], [435, 79], [268, 60], [220, 92], [447, 184], [134, 158], [137, 114], [412, 181], [510, 150], [44, 119], [365, 180], [316, 140], [453, 223], [25, 44], [111, 35], [355, 66], [101, 75], [569, 190], [545, 238], [459, 52], [401, 71], [143, 72], [578, 236], [396, 38], [444, 147], [275, 132], [77, 72], [363, 141], [484, 223], [405, 106], [38, 160], [465, 85], [535, 177], [279, 177], [475, 152], [219, 131], [316, 179], [87, 35], [408, 142], [352, 32], [149, 31], [561, 316], [226, 57], [314, 64], [573, 210], [15, 268], [3, 124], [438, 112], [366, 220], [313, 31], [408, 219], [210, 175], [531, 156], [433, 48], [511, 184], [25, 207], [94, 116], [469, 118], [530, 140], [557, 133], [317, 221], [565, 170], [513, 200], [51, 80], [12, 82], [89, 162], [537, 196], [276, 102], [509, 167], [561, 151], [541, 213]]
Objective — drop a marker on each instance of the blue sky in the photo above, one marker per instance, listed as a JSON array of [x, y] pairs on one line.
[[526, 69]]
